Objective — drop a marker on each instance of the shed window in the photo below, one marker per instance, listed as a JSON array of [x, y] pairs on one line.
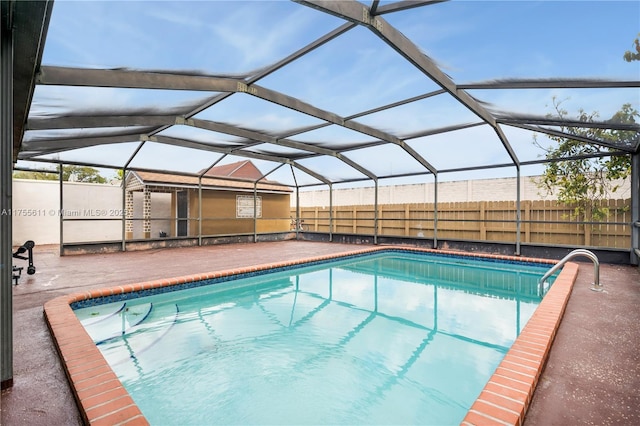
[[244, 206]]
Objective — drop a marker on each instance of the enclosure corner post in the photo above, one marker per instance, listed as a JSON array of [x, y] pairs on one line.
[[330, 212], [518, 212], [200, 210], [435, 211], [375, 214], [125, 210], [255, 211], [635, 209], [61, 205]]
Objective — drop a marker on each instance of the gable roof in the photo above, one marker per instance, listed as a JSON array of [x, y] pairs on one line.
[[240, 169]]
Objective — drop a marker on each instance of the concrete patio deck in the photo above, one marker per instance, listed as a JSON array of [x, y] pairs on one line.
[[592, 375]]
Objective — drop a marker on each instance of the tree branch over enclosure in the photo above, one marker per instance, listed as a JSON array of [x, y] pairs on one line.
[[631, 56], [585, 183]]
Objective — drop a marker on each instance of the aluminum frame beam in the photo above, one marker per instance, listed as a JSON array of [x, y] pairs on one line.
[[232, 130], [151, 80], [358, 13], [550, 121], [402, 5], [297, 105], [301, 52], [93, 121], [573, 137], [49, 146], [570, 83], [66, 76], [202, 146]]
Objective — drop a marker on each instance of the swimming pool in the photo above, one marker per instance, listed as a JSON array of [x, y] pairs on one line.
[[425, 327]]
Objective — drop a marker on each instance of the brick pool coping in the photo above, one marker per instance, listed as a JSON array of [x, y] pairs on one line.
[[103, 400]]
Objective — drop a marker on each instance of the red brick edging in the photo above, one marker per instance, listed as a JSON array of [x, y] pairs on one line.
[[103, 400], [507, 395]]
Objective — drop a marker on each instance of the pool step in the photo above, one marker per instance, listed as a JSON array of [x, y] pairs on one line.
[[96, 314], [145, 335], [116, 324]]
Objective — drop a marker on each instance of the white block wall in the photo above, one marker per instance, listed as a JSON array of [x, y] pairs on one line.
[[36, 212], [499, 189]]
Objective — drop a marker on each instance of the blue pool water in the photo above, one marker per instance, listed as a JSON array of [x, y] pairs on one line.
[[395, 338]]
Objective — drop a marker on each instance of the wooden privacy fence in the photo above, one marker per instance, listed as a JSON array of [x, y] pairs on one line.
[[541, 222]]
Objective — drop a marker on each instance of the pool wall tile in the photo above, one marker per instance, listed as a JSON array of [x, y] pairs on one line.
[[102, 399]]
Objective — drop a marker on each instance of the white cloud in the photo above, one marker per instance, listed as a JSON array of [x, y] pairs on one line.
[[258, 36]]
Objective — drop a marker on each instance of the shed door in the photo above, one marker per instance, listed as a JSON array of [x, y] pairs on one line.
[[183, 212]]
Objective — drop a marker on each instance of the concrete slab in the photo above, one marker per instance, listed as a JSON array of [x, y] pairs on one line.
[[592, 375]]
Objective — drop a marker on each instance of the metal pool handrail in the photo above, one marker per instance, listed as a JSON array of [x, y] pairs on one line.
[[578, 252]]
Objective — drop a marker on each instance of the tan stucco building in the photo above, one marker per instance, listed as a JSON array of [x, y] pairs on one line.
[[220, 202]]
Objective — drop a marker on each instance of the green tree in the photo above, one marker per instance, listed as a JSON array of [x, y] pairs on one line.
[[82, 174], [585, 182], [21, 174], [631, 56], [69, 173]]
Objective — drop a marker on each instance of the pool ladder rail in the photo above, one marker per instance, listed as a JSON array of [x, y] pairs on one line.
[[596, 286]]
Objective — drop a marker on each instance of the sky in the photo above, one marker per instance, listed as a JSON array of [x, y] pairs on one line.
[[472, 41]]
